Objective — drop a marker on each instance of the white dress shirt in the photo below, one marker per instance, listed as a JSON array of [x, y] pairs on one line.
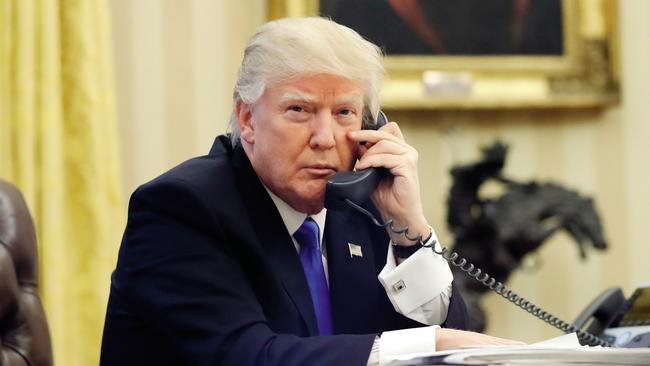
[[419, 288]]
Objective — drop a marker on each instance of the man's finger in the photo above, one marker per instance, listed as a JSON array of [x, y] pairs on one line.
[[372, 136], [393, 129]]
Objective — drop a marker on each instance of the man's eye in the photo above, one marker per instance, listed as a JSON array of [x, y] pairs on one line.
[[296, 108], [345, 112]]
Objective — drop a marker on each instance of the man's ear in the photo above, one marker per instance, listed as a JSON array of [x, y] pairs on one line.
[[245, 121]]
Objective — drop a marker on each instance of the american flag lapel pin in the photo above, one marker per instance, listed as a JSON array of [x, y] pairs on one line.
[[355, 250]]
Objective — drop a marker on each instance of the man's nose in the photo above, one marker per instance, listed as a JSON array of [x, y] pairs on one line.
[[322, 134]]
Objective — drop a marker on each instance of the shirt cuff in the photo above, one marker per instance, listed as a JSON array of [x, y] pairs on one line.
[[373, 359], [417, 280], [403, 342]]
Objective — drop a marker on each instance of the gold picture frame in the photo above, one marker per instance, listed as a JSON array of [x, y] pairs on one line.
[[584, 75]]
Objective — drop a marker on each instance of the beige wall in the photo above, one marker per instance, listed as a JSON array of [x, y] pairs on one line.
[[176, 63]]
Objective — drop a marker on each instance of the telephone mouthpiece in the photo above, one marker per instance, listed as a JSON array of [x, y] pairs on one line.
[[355, 186]]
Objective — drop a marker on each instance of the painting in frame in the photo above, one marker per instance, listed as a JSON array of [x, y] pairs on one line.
[[484, 54]]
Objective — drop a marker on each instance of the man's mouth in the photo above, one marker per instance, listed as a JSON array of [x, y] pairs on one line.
[[321, 170]]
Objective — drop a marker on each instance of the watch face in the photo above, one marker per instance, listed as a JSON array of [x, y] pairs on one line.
[[639, 311]]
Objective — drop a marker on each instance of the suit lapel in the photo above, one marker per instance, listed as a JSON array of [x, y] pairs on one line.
[[274, 238], [352, 277]]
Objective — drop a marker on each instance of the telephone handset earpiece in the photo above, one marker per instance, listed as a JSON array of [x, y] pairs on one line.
[[355, 186]]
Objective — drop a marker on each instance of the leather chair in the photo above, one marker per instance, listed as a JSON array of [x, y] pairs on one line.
[[24, 335]]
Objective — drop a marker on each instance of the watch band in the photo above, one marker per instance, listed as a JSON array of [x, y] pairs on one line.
[[403, 252]]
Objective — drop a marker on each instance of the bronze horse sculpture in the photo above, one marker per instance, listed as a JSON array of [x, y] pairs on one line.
[[496, 234]]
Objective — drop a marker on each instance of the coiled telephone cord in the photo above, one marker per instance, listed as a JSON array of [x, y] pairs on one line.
[[490, 282]]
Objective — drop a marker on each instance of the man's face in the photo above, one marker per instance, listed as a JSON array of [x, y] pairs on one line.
[[295, 135]]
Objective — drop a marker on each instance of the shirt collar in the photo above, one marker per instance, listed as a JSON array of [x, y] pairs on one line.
[[293, 219]]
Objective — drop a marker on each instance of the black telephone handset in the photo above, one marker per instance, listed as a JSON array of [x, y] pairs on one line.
[[346, 190], [602, 312], [355, 186]]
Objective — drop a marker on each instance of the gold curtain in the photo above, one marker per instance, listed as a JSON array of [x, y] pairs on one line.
[[58, 144]]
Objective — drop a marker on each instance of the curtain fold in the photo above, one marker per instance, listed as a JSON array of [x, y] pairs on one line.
[[58, 144]]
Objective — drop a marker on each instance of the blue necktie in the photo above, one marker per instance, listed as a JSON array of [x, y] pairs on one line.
[[310, 257]]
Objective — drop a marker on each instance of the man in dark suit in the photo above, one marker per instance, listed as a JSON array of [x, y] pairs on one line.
[[231, 259]]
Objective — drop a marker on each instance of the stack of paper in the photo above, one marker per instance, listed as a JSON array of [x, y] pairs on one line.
[[564, 350], [593, 356]]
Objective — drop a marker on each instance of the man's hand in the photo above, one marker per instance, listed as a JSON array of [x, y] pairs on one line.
[[452, 339], [397, 197]]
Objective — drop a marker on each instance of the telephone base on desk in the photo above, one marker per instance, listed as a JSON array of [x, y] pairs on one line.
[[628, 337]]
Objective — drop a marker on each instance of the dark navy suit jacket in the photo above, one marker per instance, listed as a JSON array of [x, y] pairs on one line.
[[208, 275]]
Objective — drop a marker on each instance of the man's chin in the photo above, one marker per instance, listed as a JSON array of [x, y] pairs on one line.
[[311, 202], [310, 207]]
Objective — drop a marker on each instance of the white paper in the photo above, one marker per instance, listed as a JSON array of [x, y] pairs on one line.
[[562, 350]]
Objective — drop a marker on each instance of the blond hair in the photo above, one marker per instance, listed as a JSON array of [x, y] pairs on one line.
[[288, 47]]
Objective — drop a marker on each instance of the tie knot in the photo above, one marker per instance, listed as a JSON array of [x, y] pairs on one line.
[[308, 234]]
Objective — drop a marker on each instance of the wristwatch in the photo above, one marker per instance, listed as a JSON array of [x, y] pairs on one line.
[[403, 251]]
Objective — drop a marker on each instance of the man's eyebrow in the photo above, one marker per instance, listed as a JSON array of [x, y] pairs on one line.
[[296, 96], [351, 98]]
